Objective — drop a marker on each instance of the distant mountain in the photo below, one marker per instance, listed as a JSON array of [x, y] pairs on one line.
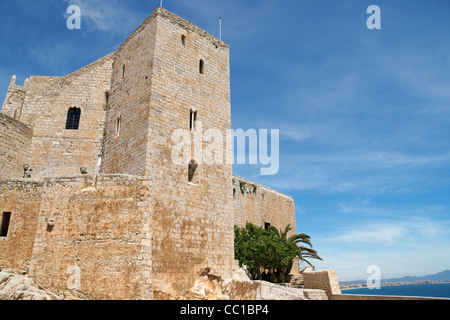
[[441, 276]]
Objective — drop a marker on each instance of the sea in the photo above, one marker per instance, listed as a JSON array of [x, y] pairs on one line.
[[432, 290]]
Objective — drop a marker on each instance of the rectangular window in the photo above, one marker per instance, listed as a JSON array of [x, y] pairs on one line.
[[267, 225], [6, 217]]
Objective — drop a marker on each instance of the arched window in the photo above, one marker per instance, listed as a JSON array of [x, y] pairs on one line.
[[73, 119]]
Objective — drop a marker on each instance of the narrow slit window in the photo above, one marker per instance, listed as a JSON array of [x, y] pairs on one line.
[[193, 120], [123, 71], [6, 217], [183, 39], [118, 125], [107, 98], [73, 119], [193, 166], [201, 66]]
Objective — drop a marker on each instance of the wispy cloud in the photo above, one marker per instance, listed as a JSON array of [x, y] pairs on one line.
[[393, 231], [363, 172], [380, 234], [391, 244], [393, 262]]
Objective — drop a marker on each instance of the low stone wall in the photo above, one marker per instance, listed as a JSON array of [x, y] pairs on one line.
[[89, 235], [324, 280]]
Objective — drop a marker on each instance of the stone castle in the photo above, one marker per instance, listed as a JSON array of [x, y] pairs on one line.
[[90, 199]]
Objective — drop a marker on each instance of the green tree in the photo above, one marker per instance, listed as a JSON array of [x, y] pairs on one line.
[[249, 248], [260, 249]]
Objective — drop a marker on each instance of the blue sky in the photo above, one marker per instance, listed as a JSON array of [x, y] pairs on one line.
[[363, 114]]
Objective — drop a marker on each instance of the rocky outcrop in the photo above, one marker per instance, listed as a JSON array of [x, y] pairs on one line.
[[18, 287]]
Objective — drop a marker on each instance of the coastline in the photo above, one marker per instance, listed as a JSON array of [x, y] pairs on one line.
[[388, 284]]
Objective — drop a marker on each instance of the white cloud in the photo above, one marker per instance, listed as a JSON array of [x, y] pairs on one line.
[[380, 234], [393, 262], [390, 232], [364, 172], [391, 244]]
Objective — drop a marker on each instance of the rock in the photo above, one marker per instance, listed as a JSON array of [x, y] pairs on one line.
[[18, 287], [207, 287], [270, 291]]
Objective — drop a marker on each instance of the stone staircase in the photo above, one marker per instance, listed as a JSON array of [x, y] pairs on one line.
[[297, 281]]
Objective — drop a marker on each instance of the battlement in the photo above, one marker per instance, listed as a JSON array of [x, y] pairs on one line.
[[182, 23]]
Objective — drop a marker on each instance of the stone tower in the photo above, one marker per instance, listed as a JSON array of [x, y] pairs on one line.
[[164, 73]]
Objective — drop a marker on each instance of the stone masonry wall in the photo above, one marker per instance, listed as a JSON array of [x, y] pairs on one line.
[[260, 205], [15, 140], [324, 279], [128, 115], [23, 201], [12, 106], [87, 234], [56, 151]]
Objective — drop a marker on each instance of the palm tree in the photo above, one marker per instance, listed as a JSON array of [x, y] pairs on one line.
[[304, 253]]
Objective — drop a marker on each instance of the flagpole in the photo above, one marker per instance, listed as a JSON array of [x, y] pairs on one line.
[[220, 28]]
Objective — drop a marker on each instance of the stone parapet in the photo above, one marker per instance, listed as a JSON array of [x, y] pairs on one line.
[[325, 280]]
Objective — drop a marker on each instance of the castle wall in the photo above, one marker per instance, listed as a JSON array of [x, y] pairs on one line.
[[15, 140], [23, 201], [260, 205], [54, 150], [12, 106], [99, 243], [125, 143]]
